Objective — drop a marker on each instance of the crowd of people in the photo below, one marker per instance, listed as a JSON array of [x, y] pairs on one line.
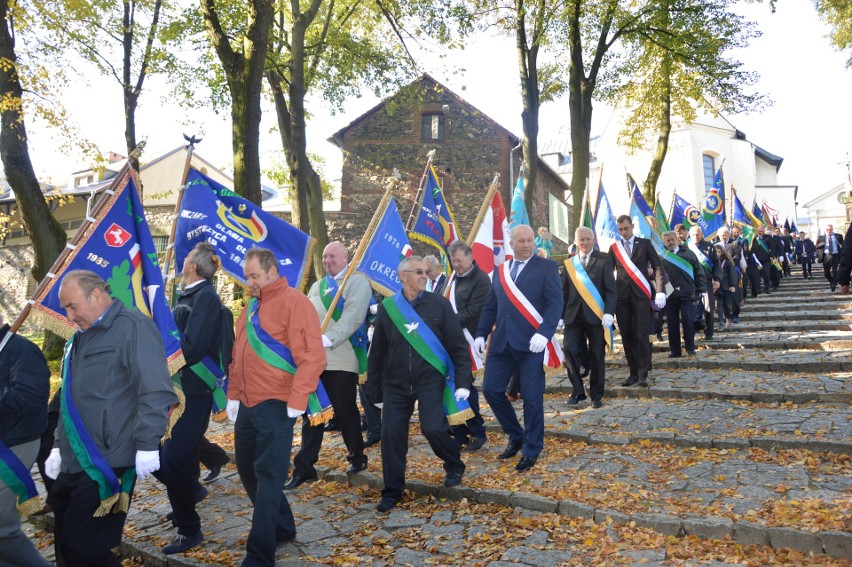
[[427, 345]]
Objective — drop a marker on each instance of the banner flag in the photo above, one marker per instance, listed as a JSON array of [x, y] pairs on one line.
[[386, 248], [743, 218], [435, 223], [519, 213], [119, 248], [491, 244], [232, 225], [606, 229], [684, 212], [641, 203], [713, 210], [662, 221]]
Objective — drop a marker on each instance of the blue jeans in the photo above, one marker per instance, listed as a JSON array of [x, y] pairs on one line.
[[263, 438]]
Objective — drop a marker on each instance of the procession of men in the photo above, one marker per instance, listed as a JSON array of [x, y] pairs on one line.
[[430, 342]]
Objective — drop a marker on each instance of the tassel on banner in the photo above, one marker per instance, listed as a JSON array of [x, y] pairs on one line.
[[29, 507], [321, 417]]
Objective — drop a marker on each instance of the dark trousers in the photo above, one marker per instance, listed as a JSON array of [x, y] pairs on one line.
[[725, 303], [754, 274], [829, 268], [341, 387], [263, 437], [473, 427], [179, 462], [709, 315], [775, 276], [211, 455], [786, 266], [80, 539], [498, 371], [634, 315], [806, 268], [47, 441], [372, 415], [396, 415], [680, 313], [578, 334]]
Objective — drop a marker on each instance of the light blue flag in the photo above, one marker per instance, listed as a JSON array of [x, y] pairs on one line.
[[518, 213], [385, 250], [639, 199], [606, 229]]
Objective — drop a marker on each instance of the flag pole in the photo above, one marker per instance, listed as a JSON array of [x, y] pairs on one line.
[[359, 254], [71, 246], [416, 203], [190, 150], [483, 210]]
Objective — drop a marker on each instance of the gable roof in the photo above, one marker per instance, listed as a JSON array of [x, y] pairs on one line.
[[831, 192]]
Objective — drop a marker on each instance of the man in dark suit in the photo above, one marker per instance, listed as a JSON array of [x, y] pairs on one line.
[[805, 251], [634, 258], [525, 303], [761, 250], [734, 248], [778, 253], [687, 285], [587, 323], [706, 254], [435, 273], [830, 255]]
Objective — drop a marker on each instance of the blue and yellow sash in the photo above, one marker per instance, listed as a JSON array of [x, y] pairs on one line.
[[328, 289], [278, 356], [587, 290], [114, 493], [421, 338], [16, 476]]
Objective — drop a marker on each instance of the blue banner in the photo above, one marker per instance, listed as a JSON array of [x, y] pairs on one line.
[[231, 224], [518, 214], [684, 212], [387, 247], [435, 224], [606, 229], [713, 211], [118, 247], [639, 199]]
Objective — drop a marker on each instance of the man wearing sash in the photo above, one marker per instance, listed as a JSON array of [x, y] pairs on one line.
[[278, 358], [418, 354], [345, 342], [761, 250], [590, 297], [523, 309], [198, 316], [634, 259], [469, 289], [706, 254], [686, 277], [734, 248], [116, 395], [24, 389]]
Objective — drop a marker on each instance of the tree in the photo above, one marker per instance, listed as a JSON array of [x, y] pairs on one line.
[[329, 47], [676, 68], [838, 15], [47, 235], [243, 60]]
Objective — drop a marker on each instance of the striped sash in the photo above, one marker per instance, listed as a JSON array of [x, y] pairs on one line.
[[328, 289], [277, 355], [632, 271], [16, 476], [702, 257], [587, 290]]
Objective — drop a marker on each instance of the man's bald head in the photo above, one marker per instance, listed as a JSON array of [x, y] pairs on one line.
[[335, 256], [523, 242]]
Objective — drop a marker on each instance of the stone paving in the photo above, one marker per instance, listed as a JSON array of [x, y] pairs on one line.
[[733, 457]]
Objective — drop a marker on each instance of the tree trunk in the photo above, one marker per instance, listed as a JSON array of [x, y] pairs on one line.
[[245, 141], [528, 71], [650, 188], [130, 99], [47, 235]]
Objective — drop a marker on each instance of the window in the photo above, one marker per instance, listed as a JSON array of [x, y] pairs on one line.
[[160, 243], [432, 127], [709, 171]]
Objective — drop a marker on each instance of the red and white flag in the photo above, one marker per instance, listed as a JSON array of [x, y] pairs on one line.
[[491, 244]]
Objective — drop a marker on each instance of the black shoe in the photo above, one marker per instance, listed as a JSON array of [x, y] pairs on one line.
[[213, 475], [332, 425], [296, 481], [282, 539], [642, 384], [673, 355], [690, 352], [584, 371], [476, 444], [630, 381], [510, 451], [182, 543], [597, 404], [659, 336], [735, 319], [452, 479], [574, 400], [525, 464], [386, 503], [356, 468], [370, 441]]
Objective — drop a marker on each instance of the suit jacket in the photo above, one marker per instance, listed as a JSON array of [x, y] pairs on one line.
[[645, 257], [599, 268], [821, 246], [539, 282], [442, 283]]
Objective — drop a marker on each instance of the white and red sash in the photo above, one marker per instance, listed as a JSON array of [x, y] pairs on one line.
[[632, 271], [553, 357], [476, 362]]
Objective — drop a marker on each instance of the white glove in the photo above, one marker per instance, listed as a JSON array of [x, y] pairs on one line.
[[146, 463], [294, 413], [370, 331], [660, 300], [560, 325], [51, 465], [326, 342], [537, 343], [374, 308], [379, 405], [479, 346], [232, 409], [607, 320], [462, 394], [705, 300]]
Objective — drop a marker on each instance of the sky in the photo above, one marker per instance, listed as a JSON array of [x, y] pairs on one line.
[[809, 125]]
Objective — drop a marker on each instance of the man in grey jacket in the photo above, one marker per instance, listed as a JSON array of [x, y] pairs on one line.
[[345, 342], [116, 397]]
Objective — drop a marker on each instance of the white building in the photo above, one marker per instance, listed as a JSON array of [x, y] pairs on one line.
[[828, 208]]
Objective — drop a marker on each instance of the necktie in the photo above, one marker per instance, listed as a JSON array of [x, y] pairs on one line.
[[514, 272], [628, 247], [584, 260]]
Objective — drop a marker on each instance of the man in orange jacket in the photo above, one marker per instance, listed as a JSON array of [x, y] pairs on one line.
[[278, 357]]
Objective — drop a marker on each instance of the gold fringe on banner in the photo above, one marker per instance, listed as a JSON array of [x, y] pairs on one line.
[[220, 416], [322, 417], [29, 507], [461, 417], [362, 378], [176, 363], [52, 322], [123, 503], [176, 411], [106, 506]]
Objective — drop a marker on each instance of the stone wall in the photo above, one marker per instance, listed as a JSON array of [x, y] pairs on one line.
[[16, 282]]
